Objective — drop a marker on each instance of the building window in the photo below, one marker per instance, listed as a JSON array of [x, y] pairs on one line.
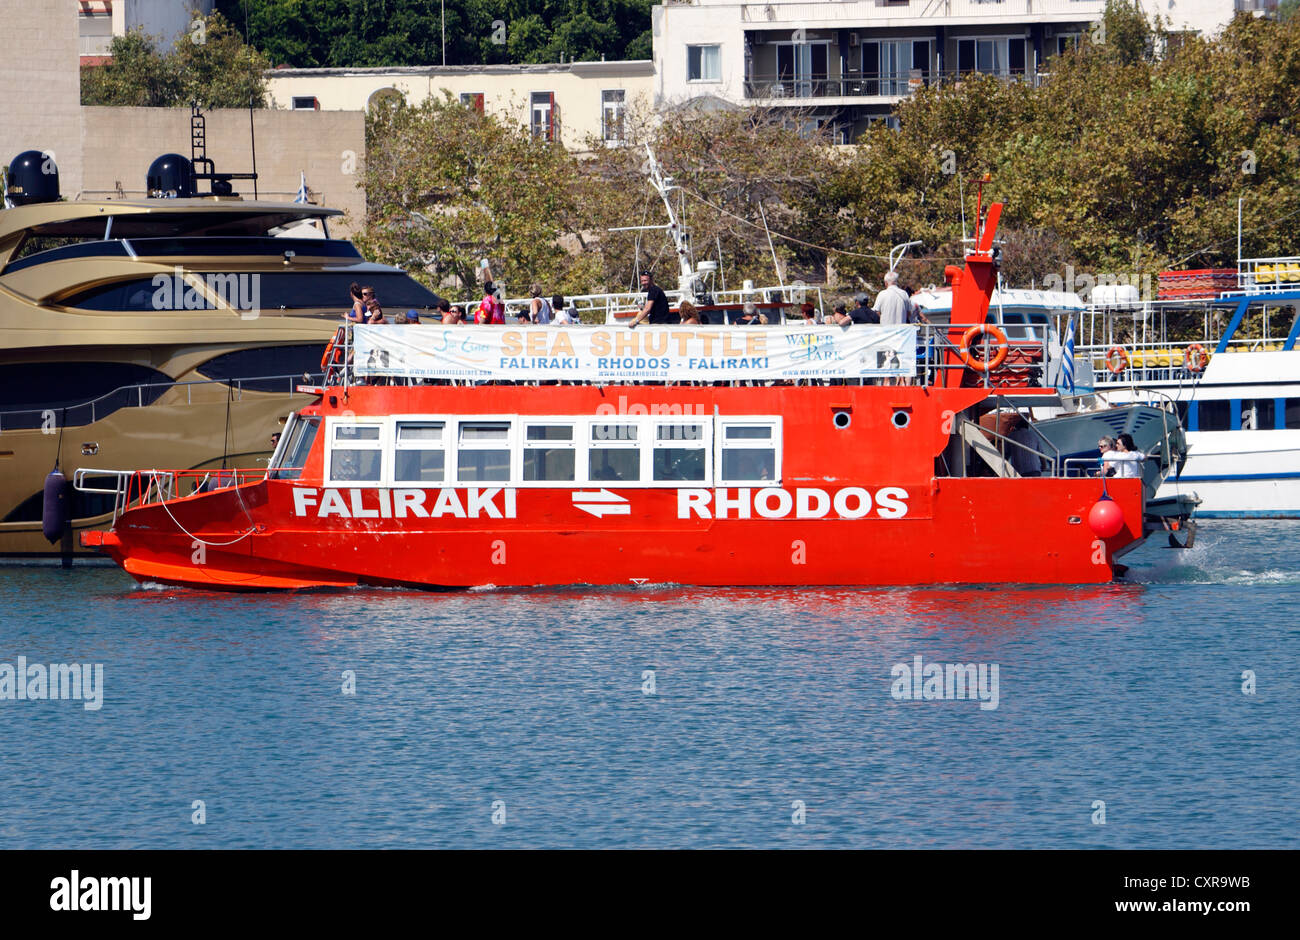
[[992, 56], [472, 99], [306, 104], [612, 103], [542, 108], [704, 63]]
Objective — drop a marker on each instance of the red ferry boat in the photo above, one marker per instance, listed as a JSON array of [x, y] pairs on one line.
[[454, 457]]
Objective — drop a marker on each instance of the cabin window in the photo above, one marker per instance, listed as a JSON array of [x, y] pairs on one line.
[[51, 395], [292, 456], [549, 453], [1214, 415], [749, 452], [420, 454], [483, 454], [680, 453], [266, 368], [1291, 412], [614, 453], [1257, 414], [308, 290], [356, 455]]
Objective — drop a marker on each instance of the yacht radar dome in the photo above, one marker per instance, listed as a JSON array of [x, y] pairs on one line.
[[33, 177], [171, 176]]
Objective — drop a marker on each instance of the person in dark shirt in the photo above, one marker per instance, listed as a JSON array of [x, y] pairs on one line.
[[863, 313], [656, 304]]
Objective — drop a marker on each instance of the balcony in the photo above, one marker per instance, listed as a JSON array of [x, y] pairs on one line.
[[875, 12], [774, 88]]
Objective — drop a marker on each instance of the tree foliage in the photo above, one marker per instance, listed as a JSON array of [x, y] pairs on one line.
[[359, 33], [211, 65]]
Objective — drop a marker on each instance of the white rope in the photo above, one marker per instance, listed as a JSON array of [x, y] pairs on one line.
[[195, 537]]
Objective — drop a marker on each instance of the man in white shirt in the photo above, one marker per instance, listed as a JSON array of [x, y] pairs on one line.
[[893, 304]]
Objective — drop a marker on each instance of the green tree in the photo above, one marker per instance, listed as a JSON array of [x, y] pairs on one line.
[[209, 64], [137, 75]]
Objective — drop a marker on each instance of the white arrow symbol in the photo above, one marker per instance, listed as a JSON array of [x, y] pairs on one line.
[[602, 503]]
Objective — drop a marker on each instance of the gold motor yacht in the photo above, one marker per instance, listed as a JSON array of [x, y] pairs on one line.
[[170, 331]]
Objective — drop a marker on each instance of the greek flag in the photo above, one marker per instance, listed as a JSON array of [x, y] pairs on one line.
[[302, 188], [1067, 358]]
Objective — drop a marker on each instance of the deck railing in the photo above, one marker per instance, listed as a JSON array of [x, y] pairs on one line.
[[141, 395], [135, 488]]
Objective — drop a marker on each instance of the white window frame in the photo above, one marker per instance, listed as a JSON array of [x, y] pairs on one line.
[[573, 444], [704, 444], [703, 80], [398, 446], [383, 444], [619, 107], [589, 443], [511, 446], [775, 444], [646, 444]]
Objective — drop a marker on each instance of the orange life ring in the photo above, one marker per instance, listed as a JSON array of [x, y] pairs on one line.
[[998, 337], [1195, 359], [330, 358], [1116, 359]]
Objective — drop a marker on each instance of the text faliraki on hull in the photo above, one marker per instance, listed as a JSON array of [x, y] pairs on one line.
[[771, 502]]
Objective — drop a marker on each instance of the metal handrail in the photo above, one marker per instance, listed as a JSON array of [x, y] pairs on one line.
[[139, 389]]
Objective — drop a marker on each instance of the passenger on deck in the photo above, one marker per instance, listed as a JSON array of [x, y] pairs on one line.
[[539, 308], [863, 313], [490, 308], [358, 312], [749, 316], [1108, 456], [563, 315], [374, 312], [892, 303], [412, 316], [656, 304], [1128, 459], [454, 315], [686, 310]]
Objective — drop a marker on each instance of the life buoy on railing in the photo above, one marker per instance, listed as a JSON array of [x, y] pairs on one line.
[[1195, 359], [1116, 359], [998, 337], [328, 359]]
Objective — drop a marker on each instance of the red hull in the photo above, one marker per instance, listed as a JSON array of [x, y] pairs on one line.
[[914, 527]]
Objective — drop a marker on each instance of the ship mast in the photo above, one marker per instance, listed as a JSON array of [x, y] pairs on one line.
[[687, 281]]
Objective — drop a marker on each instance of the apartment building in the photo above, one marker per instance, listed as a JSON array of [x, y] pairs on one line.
[[98, 21], [846, 64], [569, 102]]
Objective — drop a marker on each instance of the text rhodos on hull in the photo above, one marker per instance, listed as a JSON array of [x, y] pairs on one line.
[[851, 502]]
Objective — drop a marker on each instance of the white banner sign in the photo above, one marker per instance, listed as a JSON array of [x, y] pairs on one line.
[[620, 354]]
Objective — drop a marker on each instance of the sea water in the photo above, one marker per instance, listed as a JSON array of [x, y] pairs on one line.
[[1159, 712]]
